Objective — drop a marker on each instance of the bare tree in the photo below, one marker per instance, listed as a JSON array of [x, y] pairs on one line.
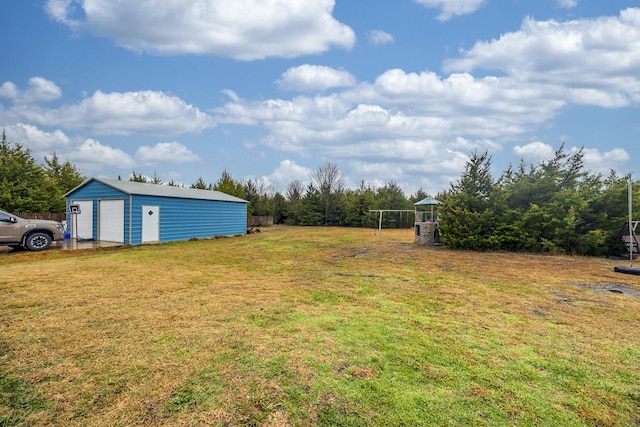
[[295, 191], [330, 183]]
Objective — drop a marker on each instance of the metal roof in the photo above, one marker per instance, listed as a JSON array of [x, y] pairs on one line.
[[145, 189], [429, 201]]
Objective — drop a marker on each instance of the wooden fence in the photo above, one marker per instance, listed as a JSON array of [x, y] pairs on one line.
[[259, 221], [54, 216]]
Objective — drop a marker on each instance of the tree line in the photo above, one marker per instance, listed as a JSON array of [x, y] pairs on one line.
[[324, 201], [26, 186], [554, 206]]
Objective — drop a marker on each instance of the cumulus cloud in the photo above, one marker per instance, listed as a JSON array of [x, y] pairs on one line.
[[594, 62], [169, 152], [60, 10], [594, 159], [534, 152], [402, 118], [9, 90], [398, 105], [244, 30], [402, 125], [92, 155], [604, 162], [287, 172], [377, 37], [567, 4], [40, 142], [39, 90], [145, 112], [451, 8], [315, 78]]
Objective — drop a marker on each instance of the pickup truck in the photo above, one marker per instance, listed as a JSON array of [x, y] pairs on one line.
[[32, 234]]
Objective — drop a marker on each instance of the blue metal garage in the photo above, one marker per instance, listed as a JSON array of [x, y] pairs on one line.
[[134, 212]]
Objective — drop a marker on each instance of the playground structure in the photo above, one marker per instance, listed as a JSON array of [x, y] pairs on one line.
[[630, 240], [426, 222]]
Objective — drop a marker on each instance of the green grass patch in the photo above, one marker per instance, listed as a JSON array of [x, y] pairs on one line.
[[315, 326], [19, 400]]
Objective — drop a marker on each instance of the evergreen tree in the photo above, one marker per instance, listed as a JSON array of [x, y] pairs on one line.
[[466, 220], [200, 185], [260, 204], [295, 192], [419, 195], [357, 205], [156, 179], [23, 184], [279, 208], [61, 178], [391, 197], [311, 210], [226, 184], [138, 177]]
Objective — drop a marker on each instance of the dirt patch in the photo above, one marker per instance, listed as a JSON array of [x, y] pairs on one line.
[[613, 288]]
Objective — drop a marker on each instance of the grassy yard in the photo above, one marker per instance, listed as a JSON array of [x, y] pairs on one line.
[[316, 326]]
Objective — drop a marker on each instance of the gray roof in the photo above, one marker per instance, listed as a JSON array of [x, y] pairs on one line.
[[144, 189]]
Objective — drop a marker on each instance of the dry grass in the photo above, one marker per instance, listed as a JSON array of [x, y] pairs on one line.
[[315, 326]]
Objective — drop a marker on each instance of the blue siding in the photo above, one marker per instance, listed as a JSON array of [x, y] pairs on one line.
[[183, 219], [180, 219], [97, 191]]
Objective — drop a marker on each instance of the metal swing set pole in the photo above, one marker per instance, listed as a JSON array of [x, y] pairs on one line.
[[631, 239]]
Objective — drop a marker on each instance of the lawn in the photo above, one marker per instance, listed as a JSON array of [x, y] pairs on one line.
[[316, 326]]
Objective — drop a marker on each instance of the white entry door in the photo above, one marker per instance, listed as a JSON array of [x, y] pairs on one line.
[[150, 224], [111, 220], [82, 223]]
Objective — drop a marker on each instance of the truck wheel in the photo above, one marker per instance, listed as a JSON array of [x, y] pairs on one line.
[[38, 241]]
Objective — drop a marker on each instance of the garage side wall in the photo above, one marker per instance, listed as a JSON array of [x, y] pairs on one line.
[[183, 219], [97, 191]]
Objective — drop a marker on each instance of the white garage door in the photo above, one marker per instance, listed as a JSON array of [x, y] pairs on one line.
[[82, 223], [111, 220]]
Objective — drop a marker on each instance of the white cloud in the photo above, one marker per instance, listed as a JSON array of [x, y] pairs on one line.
[[145, 112], [567, 4], [399, 106], [59, 10], [451, 8], [9, 90], [468, 145], [594, 159], [287, 172], [378, 37], [245, 30], [594, 62], [40, 142], [39, 90], [169, 152], [534, 152], [604, 162], [407, 126], [92, 156], [315, 78]]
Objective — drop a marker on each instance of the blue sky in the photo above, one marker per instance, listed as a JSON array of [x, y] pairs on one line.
[[390, 91]]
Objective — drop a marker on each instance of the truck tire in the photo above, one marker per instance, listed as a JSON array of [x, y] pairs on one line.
[[38, 241]]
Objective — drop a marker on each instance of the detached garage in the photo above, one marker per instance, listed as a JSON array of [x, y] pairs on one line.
[[134, 212]]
